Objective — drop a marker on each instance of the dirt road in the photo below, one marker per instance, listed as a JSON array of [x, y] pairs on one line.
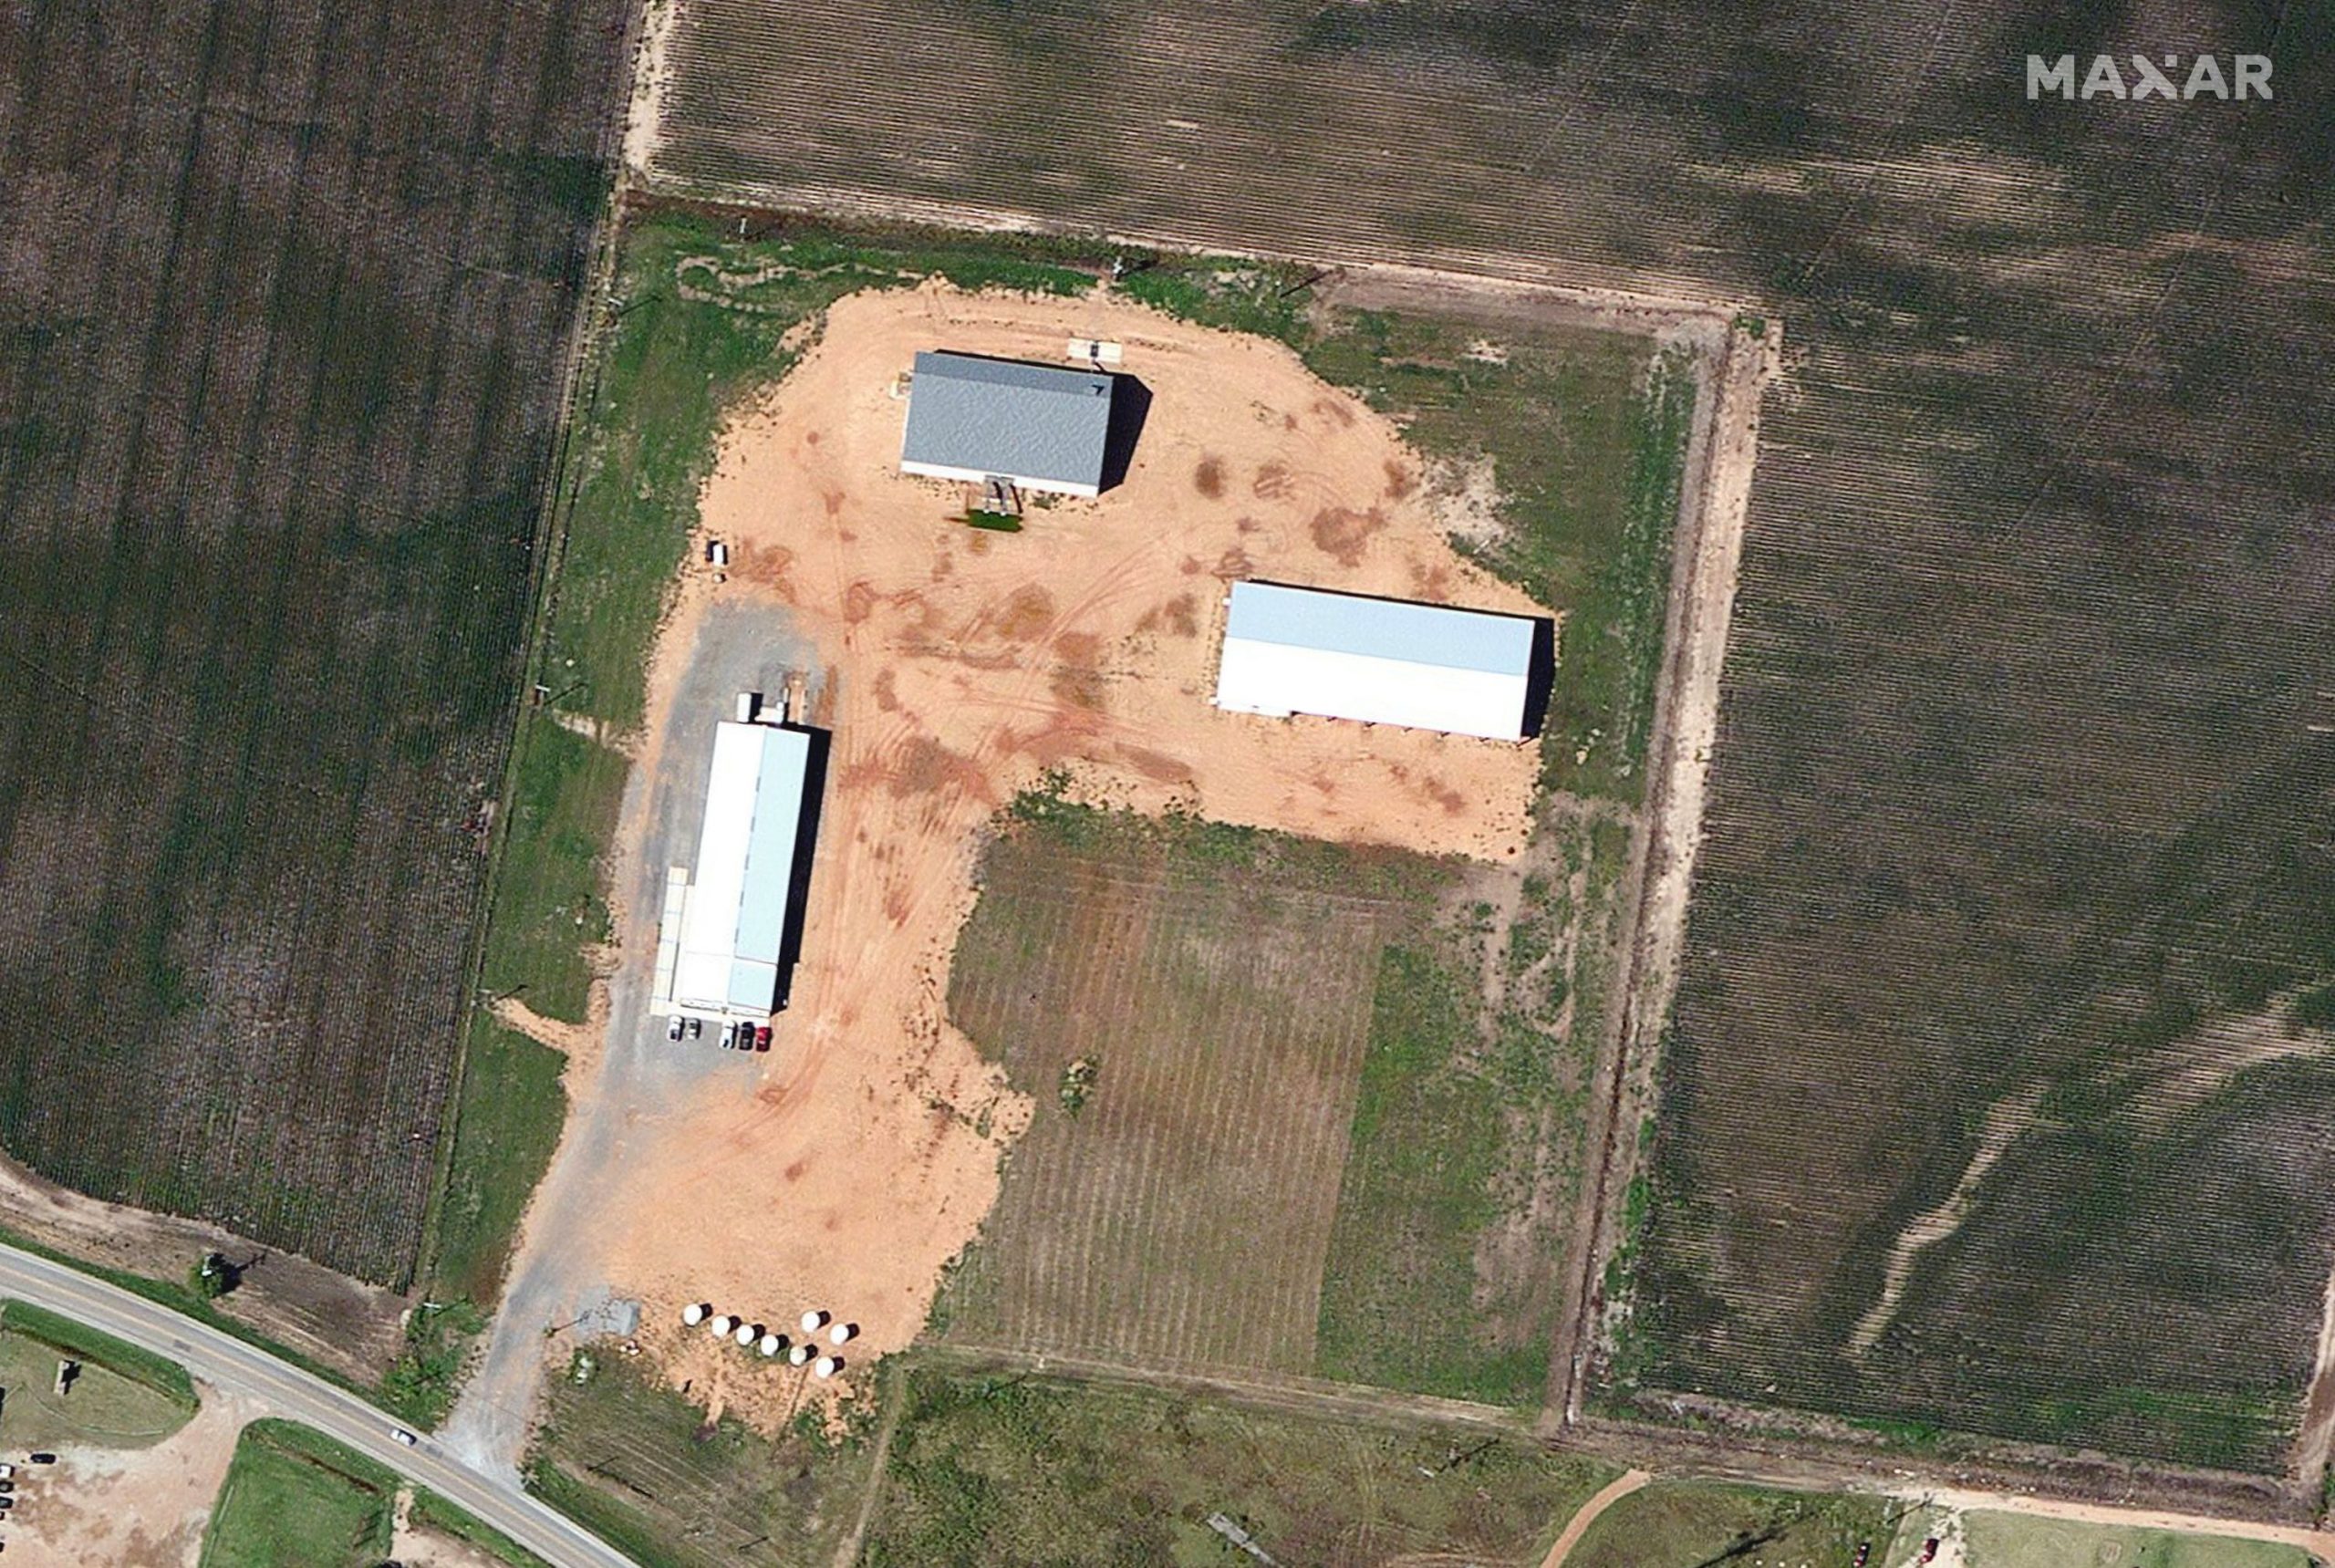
[[1578, 1525]]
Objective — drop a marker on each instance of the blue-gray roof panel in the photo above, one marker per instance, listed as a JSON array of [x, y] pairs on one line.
[[1437, 635], [1008, 418], [770, 845]]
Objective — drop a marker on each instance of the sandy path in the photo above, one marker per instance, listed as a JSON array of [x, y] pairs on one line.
[[1578, 1526], [958, 667]]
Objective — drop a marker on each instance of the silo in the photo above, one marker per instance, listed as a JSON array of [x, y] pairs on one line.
[[813, 1321], [693, 1314], [843, 1333], [748, 1333], [772, 1344], [723, 1325], [826, 1365], [798, 1356]]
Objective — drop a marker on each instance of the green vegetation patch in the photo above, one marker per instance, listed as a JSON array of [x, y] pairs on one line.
[[295, 1499], [422, 1385], [641, 1465], [1445, 1267], [2022, 1541], [1012, 1470], [507, 1127], [1687, 1524], [121, 1396]]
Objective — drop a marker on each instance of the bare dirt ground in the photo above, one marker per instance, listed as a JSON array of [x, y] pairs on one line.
[[352, 1328], [136, 1508], [424, 1548], [959, 667]]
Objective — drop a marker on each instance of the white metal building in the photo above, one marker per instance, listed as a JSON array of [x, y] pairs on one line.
[[724, 941], [1384, 661]]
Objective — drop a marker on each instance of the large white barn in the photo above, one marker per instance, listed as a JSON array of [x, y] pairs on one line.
[[724, 943], [1382, 661]]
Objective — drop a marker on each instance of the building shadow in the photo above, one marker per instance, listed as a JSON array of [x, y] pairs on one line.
[[1540, 677], [806, 849], [1130, 406]]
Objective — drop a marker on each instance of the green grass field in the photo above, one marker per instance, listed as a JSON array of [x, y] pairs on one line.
[[1692, 1524], [122, 1397], [1013, 1470], [295, 1499]]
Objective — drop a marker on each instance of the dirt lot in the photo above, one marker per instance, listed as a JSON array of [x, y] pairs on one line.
[[960, 667], [136, 1508]]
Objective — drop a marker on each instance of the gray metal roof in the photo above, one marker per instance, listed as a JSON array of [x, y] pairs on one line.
[[1006, 417], [1381, 628]]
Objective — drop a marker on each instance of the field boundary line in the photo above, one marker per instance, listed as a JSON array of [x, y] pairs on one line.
[[580, 381], [1713, 512], [1495, 272]]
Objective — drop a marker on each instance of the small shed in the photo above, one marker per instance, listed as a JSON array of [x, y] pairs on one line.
[[1042, 427]]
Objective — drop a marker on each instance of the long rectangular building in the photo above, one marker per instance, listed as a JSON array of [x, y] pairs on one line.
[[1382, 661], [724, 948]]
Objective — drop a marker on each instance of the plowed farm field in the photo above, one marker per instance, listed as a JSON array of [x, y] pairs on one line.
[[1224, 1020], [284, 289], [2000, 1068]]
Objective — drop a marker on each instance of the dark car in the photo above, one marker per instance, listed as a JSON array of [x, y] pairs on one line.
[[1929, 1549], [1864, 1549], [41, 1458], [762, 1038], [696, 1028]]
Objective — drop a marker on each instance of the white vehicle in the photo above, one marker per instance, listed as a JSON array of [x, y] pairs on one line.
[[402, 1436], [673, 1030]]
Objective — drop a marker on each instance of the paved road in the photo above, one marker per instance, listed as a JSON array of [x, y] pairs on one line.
[[227, 1363]]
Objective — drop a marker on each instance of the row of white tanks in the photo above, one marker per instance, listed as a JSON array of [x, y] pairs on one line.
[[771, 1343]]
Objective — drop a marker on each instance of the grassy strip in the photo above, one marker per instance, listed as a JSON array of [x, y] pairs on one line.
[[432, 1511], [1416, 1194], [160, 1374], [507, 1126], [1014, 1471], [295, 1499], [627, 1529], [1686, 1524]]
